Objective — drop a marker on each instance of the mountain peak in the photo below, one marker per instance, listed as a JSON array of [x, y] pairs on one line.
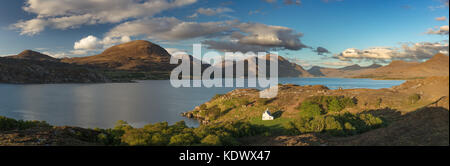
[[136, 48], [373, 66], [352, 67], [134, 55], [33, 55]]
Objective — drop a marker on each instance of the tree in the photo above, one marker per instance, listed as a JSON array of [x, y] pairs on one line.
[[211, 140], [333, 126], [182, 140], [309, 109], [335, 105], [136, 137], [317, 124]]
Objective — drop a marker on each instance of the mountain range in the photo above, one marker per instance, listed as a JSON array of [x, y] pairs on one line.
[[348, 71], [145, 60], [438, 65]]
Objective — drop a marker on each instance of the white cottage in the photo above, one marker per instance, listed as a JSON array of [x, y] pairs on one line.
[[266, 115]]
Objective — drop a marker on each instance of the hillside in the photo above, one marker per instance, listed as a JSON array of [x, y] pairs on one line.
[[21, 70], [137, 55], [138, 59], [348, 71], [436, 66], [33, 55], [285, 68], [406, 112]]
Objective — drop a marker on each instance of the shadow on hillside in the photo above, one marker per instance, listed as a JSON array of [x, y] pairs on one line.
[[427, 126], [385, 113]]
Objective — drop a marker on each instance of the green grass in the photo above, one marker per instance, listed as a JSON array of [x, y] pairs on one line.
[[276, 126]]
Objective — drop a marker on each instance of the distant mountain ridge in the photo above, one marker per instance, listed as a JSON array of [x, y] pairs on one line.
[[285, 68], [347, 71], [438, 65]]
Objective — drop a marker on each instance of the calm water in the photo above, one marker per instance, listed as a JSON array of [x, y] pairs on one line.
[[101, 105]]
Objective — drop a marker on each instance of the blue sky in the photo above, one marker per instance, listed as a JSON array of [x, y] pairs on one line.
[[335, 25]]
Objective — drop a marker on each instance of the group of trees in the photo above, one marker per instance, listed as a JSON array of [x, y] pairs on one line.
[[322, 114], [162, 134], [336, 125], [319, 105], [12, 124]]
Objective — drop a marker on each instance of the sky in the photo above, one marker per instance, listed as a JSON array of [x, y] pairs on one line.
[[330, 33]]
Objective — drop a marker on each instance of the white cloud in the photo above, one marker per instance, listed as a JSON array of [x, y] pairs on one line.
[[92, 43], [88, 43], [172, 51], [408, 51], [63, 14], [340, 64], [443, 30], [31, 27], [443, 5], [258, 37], [213, 11], [443, 18], [195, 15], [168, 28], [233, 35], [57, 54], [270, 1]]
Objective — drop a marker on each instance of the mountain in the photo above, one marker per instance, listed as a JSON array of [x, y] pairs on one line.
[[136, 55], [438, 65], [33, 55], [347, 71], [358, 67], [285, 68], [34, 67], [135, 60]]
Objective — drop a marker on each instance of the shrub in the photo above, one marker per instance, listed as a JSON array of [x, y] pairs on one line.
[[336, 125], [309, 109], [157, 127], [203, 107], [371, 121], [332, 103], [159, 140], [333, 127], [213, 113], [136, 137], [335, 106], [122, 125], [182, 140], [317, 125], [12, 124], [414, 98], [211, 140], [349, 128], [217, 96]]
